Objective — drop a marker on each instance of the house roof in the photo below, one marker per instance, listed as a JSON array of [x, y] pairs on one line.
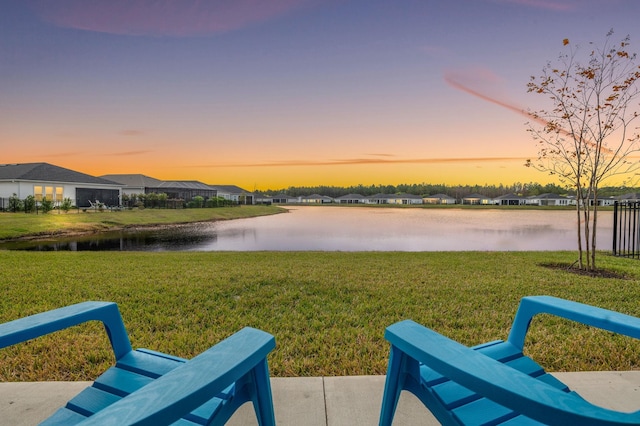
[[630, 196], [231, 189], [480, 196], [316, 197], [382, 196], [439, 196], [184, 184], [509, 197], [136, 180], [548, 196], [394, 196], [46, 172], [351, 196], [282, 196], [409, 196]]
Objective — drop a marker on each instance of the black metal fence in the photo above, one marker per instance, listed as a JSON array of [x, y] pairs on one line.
[[626, 229]]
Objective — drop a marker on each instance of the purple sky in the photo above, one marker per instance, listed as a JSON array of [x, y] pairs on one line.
[[285, 92]]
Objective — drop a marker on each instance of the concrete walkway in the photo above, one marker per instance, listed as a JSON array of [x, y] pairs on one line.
[[319, 401]]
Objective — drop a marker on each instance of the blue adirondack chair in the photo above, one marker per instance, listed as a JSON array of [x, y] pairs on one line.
[[495, 383], [151, 388]]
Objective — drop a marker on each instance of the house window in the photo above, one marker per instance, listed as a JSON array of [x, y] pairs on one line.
[[48, 193], [37, 192], [59, 193]]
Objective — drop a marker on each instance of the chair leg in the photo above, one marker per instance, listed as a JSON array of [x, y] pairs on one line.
[[263, 401], [392, 386]]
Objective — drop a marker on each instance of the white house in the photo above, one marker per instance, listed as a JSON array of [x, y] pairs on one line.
[[316, 199], [394, 199], [510, 200], [379, 199], [44, 180], [409, 199], [633, 196], [438, 199], [283, 199], [549, 200], [477, 199], [351, 199], [235, 193]]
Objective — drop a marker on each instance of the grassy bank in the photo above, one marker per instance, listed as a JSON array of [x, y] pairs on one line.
[[328, 311], [16, 225]]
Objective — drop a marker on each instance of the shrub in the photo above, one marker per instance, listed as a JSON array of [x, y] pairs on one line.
[[15, 203], [29, 204], [66, 205], [196, 202], [46, 205]]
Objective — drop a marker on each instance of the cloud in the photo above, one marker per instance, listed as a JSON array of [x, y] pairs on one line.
[[458, 81], [364, 161], [559, 6], [66, 154], [468, 80], [129, 153], [178, 18], [463, 82]]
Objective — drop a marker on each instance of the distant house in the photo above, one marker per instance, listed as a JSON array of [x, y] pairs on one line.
[[263, 199], [44, 180], [549, 199], [235, 194], [184, 190], [409, 199], [606, 201], [175, 190], [477, 199], [316, 199], [283, 199], [351, 199], [133, 183], [634, 196], [510, 200], [379, 199], [438, 199], [394, 199]]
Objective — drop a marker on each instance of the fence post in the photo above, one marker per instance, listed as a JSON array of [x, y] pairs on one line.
[[615, 227]]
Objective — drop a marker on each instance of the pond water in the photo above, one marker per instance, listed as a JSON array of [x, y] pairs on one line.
[[355, 229]]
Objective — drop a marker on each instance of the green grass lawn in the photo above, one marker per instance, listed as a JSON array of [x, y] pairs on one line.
[[328, 311]]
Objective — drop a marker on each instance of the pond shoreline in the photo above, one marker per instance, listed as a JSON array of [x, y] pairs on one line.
[[44, 236], [85, 225]]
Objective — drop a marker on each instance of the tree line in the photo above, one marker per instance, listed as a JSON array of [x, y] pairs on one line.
[[456, 191]]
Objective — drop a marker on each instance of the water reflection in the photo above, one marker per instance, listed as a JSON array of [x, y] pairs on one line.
[[354, 229]]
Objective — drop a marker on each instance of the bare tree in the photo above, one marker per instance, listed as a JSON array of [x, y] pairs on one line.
[[588, 135]]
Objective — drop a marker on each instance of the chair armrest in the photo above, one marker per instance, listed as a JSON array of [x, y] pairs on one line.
[[187, 387], [578, 312], [499, 382], [37, 325]]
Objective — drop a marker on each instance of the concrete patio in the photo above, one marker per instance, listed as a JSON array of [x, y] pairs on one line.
[[319, 401]]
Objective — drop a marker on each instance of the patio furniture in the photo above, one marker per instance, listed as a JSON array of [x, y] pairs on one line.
[[148, 387], [495, 383]]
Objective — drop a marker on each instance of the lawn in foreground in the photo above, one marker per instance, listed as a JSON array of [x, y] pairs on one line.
[[328, 311]]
